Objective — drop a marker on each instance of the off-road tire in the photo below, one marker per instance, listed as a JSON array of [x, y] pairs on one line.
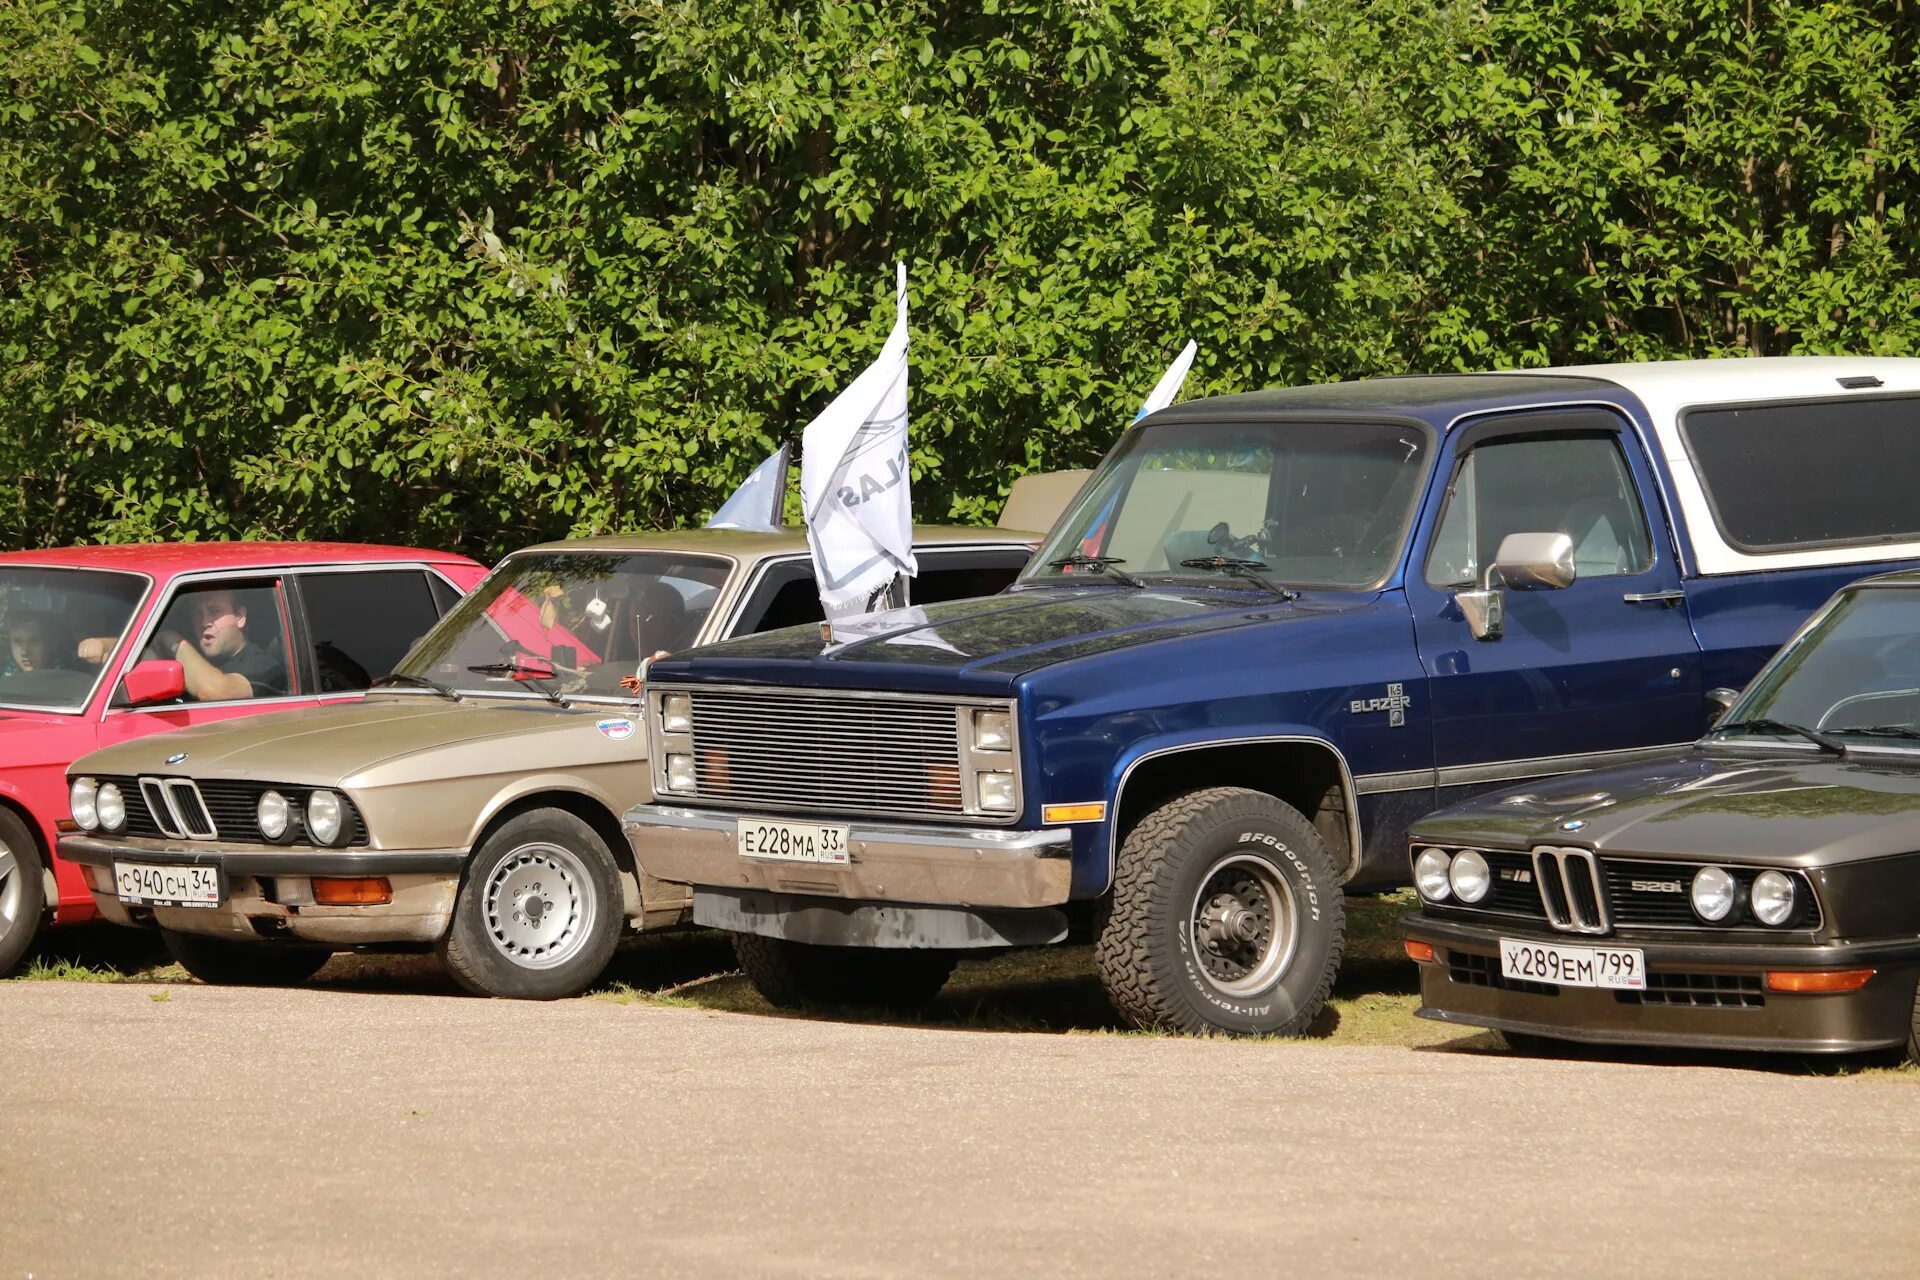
[[793, 975], [24, 891], [476, 948], [1145, 943], [231, 962]]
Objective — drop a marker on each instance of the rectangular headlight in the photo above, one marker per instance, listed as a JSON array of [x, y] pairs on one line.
[[676, 713], [992, 730], [996, 791], [680, 773]]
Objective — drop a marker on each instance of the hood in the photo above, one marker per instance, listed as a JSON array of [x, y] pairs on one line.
[[991, 640], [1798, 811], [344, 744]]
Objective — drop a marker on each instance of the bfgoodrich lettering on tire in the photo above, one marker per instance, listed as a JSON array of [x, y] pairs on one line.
[[1226, 918], [539, 911]]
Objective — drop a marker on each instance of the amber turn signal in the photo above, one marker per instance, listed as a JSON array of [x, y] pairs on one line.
[[1074, 812], [1420, 952], [1822, 980], [360, 891]]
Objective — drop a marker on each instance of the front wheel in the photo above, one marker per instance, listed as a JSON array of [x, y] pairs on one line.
[[23, 894], [1226, 918], [231, 962], [539, 912], [795, 974]]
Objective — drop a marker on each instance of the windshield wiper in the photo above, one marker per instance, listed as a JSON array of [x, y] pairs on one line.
[[524, 676], [1763, 725], [1248, 569], [1099, 564], [1883, 731], [398, 677]]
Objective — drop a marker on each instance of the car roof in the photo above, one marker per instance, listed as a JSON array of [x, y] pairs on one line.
[[752, 544], [165, 558]]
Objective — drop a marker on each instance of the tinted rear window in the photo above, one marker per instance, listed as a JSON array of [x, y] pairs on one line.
[[1811, 474]]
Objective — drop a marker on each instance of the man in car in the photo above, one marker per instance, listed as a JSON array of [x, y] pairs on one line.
[[218, 661]]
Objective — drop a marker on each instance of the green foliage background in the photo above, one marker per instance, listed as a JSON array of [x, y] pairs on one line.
[[470, 274]]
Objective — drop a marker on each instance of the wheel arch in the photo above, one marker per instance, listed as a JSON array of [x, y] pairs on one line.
[[16, 804], [1303, 770], [589, 809]]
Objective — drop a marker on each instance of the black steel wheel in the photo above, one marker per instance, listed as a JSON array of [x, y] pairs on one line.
[[1226, 918]]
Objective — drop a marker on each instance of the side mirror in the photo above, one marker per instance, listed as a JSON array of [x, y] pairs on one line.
[[1719, 702], [155, 680], [1524, 562]]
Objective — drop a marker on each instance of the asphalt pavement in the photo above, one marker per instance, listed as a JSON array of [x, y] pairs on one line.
[[193, 1131]]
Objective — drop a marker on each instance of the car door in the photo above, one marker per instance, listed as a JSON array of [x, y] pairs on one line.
[[259, 604], [356, 624], [1606, 665]]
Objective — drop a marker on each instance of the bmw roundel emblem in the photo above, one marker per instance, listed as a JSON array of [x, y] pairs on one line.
[[1573, 824], [176, 757]]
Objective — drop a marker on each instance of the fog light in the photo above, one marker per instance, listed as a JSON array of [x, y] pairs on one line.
[[996, 791], [274, 814], [1469, 876], [676, 713], [1773, 897], [111, 806], [680, 773], [1430, 875], [1713, 892], [80, 802], [324, 817], [356, 891], [992, 731]]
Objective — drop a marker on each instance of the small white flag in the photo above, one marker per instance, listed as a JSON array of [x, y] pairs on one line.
[[1169, 385], [758, 502], [853, 481]]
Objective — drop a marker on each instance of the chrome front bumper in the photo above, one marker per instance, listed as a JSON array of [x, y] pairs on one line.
[[917, 864]]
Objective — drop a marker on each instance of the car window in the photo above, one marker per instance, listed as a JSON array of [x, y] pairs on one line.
[[360, 623], [223, 628], [961, 575], [1573, 484], [57, 629], [785, 597]]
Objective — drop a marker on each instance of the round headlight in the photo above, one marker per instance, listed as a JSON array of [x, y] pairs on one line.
[[1772, 897], [274, 814], [323, 816], [1430, 874], [1713, 892], [111, 806], [1469, 876], [80, 802]]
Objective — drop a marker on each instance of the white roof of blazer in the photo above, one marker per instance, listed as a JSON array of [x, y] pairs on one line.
[[1669, 388]]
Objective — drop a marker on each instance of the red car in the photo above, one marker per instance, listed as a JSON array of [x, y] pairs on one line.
[[102, 644]]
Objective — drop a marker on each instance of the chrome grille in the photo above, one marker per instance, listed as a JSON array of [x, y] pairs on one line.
[[222, 809], [782, 749], [176, 808]]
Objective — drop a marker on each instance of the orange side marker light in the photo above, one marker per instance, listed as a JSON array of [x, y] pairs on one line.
[[1826, 980], [358, 891], [1420, 952]]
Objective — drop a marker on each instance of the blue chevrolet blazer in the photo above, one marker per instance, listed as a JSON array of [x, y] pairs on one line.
[[1270, 631]]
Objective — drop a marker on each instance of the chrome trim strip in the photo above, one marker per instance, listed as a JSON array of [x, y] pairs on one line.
[[1349, 791], [1546, 766], [1411, 780], [1047, 842]]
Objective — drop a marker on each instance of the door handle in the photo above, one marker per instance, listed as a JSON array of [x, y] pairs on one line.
[[1668, 598]]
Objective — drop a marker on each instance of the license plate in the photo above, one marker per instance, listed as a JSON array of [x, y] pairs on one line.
[[146, 885], [1616, 968], [793, 841]]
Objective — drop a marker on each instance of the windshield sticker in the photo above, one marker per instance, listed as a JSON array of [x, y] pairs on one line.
[[617, 729]]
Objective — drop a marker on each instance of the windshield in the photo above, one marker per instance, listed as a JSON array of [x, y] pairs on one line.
[[592, 615], [1320, 504], [1854, 675], [60, 626]]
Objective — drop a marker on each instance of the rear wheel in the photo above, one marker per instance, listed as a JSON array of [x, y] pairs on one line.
[[231, 962], [23, 893], [1226, 918], [539, 912], [793, 974]]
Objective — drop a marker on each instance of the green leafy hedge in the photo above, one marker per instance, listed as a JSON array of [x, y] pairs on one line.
[[471, 274]]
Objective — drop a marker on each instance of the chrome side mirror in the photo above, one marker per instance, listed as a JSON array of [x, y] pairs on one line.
[[1524, 562], [1719, 702]]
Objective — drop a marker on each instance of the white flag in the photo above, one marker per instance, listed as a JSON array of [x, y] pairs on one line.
[[1169, 385], [758, 502], [853, 481]]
